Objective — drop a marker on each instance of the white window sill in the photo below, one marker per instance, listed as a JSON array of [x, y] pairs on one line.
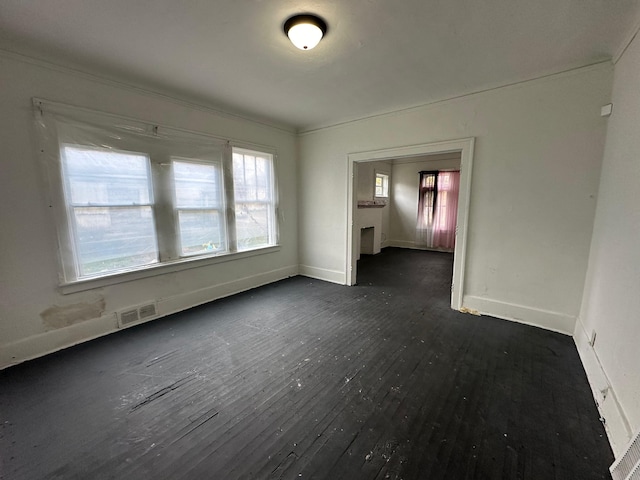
[[160, 269]]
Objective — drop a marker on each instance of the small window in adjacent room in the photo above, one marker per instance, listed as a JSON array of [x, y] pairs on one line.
[[382, 185]]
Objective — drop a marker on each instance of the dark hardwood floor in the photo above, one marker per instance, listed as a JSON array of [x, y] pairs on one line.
[[305, 379]]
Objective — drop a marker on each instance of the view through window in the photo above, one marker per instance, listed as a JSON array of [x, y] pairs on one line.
[[135, 197]]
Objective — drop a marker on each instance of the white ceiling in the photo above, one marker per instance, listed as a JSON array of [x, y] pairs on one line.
[[378, 55]]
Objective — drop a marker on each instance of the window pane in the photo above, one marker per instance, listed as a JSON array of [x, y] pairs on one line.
[[444, 181], [430, 181], [109, 239], [197, 185], [382, 185], [252, 225], [201, 231], [103, 177], [251, 178]]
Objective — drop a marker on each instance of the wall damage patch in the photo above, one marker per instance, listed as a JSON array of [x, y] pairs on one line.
[[63, 316]]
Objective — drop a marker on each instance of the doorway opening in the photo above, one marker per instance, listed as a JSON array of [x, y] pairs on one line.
[[407, 154]]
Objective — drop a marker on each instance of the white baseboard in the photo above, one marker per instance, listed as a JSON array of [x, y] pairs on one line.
[[401, 244], [54, 340], [186, 300], [414, 246], [333, 276], [616, 423], [549, 320]]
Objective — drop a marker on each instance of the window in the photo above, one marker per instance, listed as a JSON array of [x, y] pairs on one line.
[[427, 198], [437, 209], [200, 207], [382, 185], [253, 194], [131, 196], [110, 203]]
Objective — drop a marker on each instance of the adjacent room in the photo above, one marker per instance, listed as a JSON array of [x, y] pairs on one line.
[[402, 247]]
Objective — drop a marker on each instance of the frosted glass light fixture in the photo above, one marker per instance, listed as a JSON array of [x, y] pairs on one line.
[[305, 31]]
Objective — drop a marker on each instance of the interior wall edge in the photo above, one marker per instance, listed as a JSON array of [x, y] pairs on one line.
[[629, 38], [549, 320], [615, 422], [52, 341]]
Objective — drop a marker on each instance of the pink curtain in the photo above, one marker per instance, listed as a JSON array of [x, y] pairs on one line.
[[444, 224], [437, 221]]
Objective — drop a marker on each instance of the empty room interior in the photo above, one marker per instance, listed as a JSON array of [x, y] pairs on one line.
[[405, 246]]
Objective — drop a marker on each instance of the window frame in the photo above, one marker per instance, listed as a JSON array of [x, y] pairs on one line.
[[164, 207], [385, 185], [271, 203], [220, 210], [71, 206]]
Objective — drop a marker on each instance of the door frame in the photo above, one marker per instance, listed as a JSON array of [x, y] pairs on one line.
[[465, 146]]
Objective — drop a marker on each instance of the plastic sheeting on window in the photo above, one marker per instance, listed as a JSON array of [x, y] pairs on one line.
[[113, 194]]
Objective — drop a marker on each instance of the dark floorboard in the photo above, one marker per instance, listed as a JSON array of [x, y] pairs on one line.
[[306, 379]]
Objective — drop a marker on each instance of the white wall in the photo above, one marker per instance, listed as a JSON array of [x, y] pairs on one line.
[[611, 303], [537, 160], [366, 179], [28, 252], [405, 186], [366, 182]]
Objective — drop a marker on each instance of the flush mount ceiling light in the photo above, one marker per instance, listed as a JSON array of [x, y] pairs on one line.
[[305, 31]]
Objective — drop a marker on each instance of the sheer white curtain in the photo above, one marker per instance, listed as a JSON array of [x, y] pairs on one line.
[[437, 209]]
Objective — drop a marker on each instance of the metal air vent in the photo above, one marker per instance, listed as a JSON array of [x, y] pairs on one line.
[[137, 314]]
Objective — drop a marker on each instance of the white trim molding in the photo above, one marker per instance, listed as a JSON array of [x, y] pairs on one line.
[[628, 39], [413, 246], [549, 320], [333, 276], [59, 339], [82, 72], [465, 146], [615, 420]]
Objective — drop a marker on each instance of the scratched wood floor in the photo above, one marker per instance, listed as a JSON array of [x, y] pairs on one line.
[[306, 379]]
